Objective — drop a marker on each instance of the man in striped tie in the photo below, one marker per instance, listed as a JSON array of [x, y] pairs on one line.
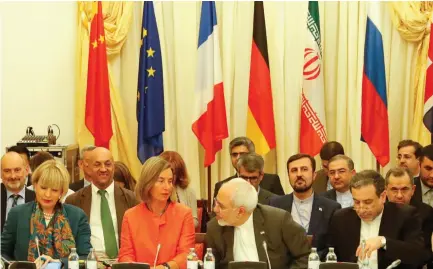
[[13, 191]]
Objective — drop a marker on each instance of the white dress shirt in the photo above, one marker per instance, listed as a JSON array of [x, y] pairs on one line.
[[301, 211], [97, 237], [427, 194], [245, 248], [345, 199], [10, 200], [370, 230]]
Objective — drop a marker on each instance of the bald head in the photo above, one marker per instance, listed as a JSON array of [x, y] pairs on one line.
[[101, 166], [13, 171]]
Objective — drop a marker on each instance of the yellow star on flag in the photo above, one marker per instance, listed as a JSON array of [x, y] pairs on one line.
[[101, 39], [150, 52], [144, 32], [95, 44], [150, 72]]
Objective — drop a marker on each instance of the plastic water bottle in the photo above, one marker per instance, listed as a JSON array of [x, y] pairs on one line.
[[313, 259], [91, 262], [364, 263], [331, 257], [73, 259], [192, 259], [209, 259]]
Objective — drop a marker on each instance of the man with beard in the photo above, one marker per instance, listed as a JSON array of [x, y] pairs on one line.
[[312, 211], [13, 191], [408, 155], [424, 184], [242, 227]]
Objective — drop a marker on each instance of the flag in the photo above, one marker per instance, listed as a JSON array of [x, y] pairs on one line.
[[374, 117], [260, 116], [428, 96], [313, 121], [98, 104], [210, 125], [150, 92]]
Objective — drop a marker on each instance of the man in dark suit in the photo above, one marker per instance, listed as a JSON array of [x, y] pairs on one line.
[[103, 193], [312, 211], [424, 184], [400, 189], [243, 145], [341, 171], [250, 167], [236, 234], [13, 189], [408, 154], [83, 163], [390, 231], [329, 149], [25, 154]]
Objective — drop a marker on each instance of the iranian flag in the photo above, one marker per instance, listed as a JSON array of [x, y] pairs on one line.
[[313, 131]]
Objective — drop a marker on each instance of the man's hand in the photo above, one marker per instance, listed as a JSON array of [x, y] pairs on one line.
[[371, 245]]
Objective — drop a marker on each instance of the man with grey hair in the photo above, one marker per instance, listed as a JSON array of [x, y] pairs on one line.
[[341, 169], [83, 163], [243, 145], [390, 231], [244, 230], [250, 167]]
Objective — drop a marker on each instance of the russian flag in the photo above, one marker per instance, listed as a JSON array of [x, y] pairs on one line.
[[210, 125], [428, 95], [374, 117]]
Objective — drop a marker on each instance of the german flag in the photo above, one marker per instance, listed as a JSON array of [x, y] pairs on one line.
[[260, 118]]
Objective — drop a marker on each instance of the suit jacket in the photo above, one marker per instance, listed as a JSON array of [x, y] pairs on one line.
[[76, 186], [426, 215], [321, 214], [417, 196], [123, 198], [400, 225], [320, 184], [286, 241], [331, 194], [29, 196], [16, 235], [265, 196]]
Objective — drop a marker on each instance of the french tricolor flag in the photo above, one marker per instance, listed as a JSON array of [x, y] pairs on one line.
[[210, 125], [374, 117]]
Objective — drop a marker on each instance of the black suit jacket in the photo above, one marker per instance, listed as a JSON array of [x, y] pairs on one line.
[[331, 194], [321, 214], [264, 196], [417, 196], [320, 183], [29, 196], [76, 186], [286, 241], [426, 215], [400, 225]]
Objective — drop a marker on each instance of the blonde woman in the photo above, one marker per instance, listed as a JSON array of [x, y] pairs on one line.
[[46, 229]]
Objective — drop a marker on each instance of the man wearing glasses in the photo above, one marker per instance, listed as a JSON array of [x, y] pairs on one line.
[[250, 168], [241, 146], [390, 231]]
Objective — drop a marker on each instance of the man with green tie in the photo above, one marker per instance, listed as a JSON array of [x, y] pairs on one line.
[[104, 203]]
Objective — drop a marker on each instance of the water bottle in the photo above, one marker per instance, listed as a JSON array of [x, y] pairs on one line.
[[313, 259], [91, 262], [73, 259], [363, 264], [209, 259], [192, 259], [331, 257]]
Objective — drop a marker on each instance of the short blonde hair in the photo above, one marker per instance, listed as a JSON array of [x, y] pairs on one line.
[[52, 174], [149, 174]]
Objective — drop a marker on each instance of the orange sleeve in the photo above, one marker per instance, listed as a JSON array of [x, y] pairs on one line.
[[127, 251], [186, 241]]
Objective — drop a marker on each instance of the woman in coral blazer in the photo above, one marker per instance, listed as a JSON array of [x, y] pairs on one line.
[[157, 223]]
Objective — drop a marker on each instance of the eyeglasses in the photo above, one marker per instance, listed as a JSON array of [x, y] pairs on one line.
[[250, 179], [236, 154]]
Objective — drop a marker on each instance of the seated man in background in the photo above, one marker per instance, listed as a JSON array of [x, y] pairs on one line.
[[424, 184], [408, 155], [328, 150], [242, 227], [341, 170], [250, 167], [83, 163], [25, 154], [243, 145], [390, 231], [399, 189], [312, 211]]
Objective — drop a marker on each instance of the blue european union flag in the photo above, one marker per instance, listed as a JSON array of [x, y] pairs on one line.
[[150, 92]]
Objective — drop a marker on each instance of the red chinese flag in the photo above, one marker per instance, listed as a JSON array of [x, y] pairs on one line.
[[98, 105]]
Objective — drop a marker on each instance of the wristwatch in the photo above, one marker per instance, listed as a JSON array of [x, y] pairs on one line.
[[383, 242], [166, 266]]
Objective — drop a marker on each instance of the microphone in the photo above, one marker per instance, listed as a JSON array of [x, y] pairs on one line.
[[265, 247], [394, 264], [156, 257]]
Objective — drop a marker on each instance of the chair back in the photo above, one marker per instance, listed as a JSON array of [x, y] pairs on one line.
[[200, 245]]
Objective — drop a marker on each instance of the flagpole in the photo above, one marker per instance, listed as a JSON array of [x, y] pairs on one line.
[[209, 194], [377, 167]]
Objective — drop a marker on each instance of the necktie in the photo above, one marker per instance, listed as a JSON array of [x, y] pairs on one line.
[[15, 201], [108, 227]]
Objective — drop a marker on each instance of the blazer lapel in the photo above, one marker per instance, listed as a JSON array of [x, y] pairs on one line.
[[3, 205], [289, 202], [258, 222], [354, 229], [334, 195], [228, 236], [316, 215], [121, 206], [86, 200], [30, 196]]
